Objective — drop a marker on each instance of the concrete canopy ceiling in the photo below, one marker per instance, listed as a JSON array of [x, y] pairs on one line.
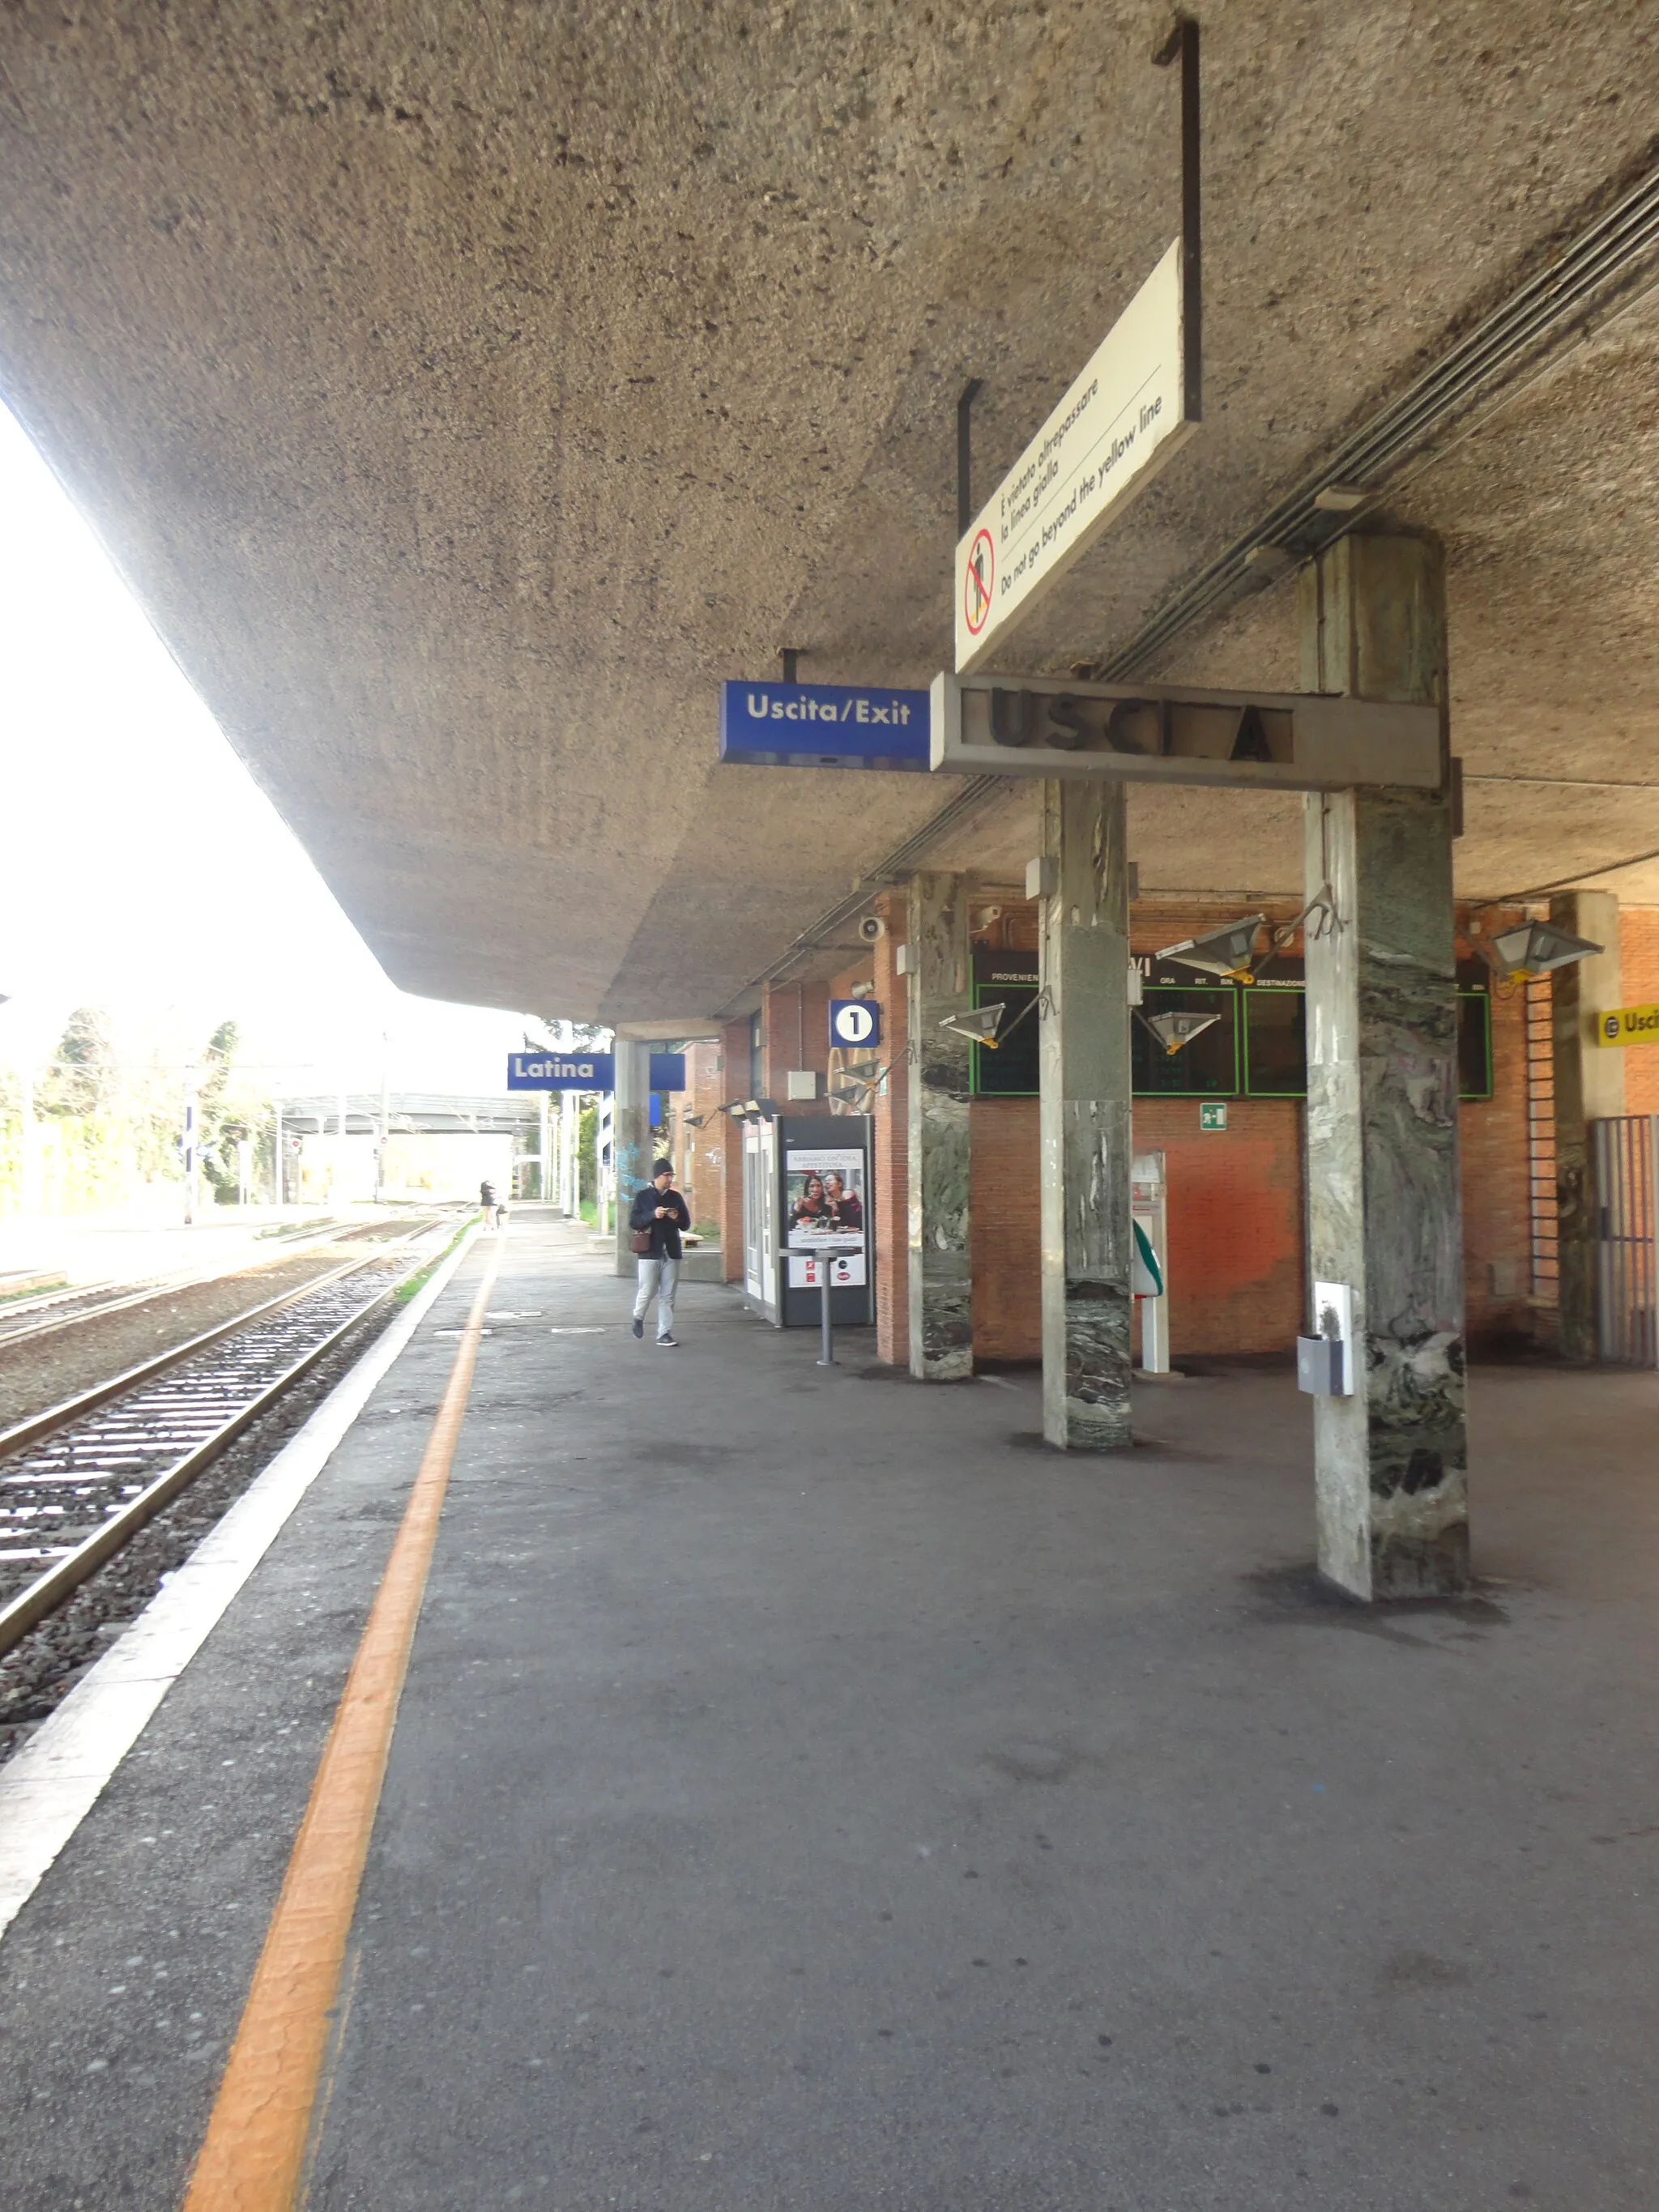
[[465, 392]]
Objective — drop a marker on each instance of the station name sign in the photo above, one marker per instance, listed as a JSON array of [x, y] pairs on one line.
[[1115, 428], [823, 725], [586, 1071], [1171, 734]]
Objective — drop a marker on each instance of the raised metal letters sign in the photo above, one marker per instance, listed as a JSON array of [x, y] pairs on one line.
[[1119, 422], [823, 725], [1171, 734]]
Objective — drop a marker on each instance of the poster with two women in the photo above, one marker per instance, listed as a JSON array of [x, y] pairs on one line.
[[823, 1214]]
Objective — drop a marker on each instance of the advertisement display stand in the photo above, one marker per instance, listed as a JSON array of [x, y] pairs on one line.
[[809, 1187]]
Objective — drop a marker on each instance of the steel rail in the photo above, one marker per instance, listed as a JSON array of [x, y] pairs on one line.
[[150, 1286], [169, 1421], [290, 1240]]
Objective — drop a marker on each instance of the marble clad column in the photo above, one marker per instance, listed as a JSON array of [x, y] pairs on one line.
[[1084, 1118], [1590, 1086], [1384, 1206], [940, 983], [631, 1137]]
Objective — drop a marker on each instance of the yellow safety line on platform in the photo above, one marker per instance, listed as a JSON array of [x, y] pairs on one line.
[[252, 2157]]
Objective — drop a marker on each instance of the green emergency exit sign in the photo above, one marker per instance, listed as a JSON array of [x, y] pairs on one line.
[[1212, 1114]]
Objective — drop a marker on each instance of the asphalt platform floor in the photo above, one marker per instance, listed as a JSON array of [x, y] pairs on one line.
[[810, 1791]]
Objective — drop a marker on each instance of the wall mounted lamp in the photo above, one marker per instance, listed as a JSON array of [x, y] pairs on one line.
[[1227, 951], [981, 1026], [1533, 948], [1175, 1031]]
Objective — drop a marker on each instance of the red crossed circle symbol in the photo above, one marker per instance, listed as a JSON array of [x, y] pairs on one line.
[[977, 580]]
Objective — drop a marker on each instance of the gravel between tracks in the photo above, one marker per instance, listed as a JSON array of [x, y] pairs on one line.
[[37, 1374], [47, 1664]]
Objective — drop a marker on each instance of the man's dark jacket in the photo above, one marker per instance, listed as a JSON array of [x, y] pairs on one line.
[[665, 1235]]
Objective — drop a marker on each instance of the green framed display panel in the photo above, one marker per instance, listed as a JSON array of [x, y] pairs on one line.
[[1007, 978], [1206, 1068], [1257, 1050], [1275, 1034], [1474, 1068]]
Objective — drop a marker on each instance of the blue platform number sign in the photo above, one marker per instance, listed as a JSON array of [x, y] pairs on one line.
[[854, 1023], [825, 726]]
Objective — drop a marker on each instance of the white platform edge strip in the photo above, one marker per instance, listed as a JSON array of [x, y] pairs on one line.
[[48, 1788]]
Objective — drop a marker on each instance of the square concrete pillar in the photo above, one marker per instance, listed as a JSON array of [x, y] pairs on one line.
[[1384, 1206], [941, 1328], [1083, 1117], [889, 1116], [1590, 1087], [631, 1139], [733, 1086]]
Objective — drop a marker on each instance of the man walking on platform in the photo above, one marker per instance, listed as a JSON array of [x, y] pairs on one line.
[[656, 1217]]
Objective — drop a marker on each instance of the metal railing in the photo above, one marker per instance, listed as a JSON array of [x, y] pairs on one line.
[[1626, 1185]]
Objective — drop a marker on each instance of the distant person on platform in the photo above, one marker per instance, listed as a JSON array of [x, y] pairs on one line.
[[657, 1216], [495, 1212]]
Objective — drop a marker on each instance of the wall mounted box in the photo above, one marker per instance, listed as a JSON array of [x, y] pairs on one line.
[[1321, 1366]]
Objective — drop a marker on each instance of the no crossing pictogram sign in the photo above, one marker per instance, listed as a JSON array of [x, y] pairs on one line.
[[977, 579]]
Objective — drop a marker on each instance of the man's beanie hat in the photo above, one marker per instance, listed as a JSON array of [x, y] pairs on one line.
[[663, 1167]]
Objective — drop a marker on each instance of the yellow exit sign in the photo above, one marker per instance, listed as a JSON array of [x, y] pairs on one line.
[[1628, 1025]]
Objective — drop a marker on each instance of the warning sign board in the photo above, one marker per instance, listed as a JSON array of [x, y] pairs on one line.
[[1121, 421]]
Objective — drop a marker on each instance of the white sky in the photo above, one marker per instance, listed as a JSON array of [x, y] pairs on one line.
[[141, 867]]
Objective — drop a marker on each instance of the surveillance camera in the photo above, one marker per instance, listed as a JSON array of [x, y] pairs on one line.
[[872, 928]]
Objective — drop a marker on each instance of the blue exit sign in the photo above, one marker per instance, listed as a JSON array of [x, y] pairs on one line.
[[825, 726]]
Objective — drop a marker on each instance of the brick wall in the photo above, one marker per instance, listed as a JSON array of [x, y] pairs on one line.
[[1003, 1203], [1497, 1196], [1639, 981], [1235, 1222], [794, 1033], [1236, 1260]]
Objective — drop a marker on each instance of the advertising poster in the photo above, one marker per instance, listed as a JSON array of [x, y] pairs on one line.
[[824, 1213]]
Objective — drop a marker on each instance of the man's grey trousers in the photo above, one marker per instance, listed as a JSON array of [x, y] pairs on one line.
[[659, 1280]]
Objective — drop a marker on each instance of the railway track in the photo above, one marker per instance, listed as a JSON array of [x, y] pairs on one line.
[[79, 1481], [24, 1320]]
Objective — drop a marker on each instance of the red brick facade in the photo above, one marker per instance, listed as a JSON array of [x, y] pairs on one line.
[[1236, 1204], [1002, 1212], [1639, 981]]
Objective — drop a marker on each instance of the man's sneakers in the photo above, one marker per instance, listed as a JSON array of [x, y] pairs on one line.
[[639, 1325], [671, 1343]]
